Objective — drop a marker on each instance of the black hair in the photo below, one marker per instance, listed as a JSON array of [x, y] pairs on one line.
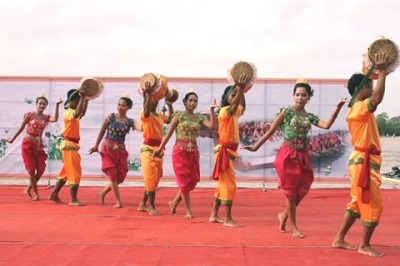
[[354, 82], [128, 101], [224, 98], [307, 86], [188, 95], [42, 98], [73, 94]]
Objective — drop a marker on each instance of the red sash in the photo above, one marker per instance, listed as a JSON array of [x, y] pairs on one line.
[[222, 161], [72, 139], [152, 142], [364, 179]]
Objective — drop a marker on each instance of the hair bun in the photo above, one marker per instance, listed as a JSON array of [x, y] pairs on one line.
[[126, 95], [301, 80]]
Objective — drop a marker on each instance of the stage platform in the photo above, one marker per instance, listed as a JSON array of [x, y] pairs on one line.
[[46, 233]]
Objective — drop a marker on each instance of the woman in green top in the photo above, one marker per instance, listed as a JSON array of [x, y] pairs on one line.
[[293, 161], [185, 155]]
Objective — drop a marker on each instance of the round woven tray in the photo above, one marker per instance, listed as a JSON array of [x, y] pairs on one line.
[[241, 68], [92, 86], [150, 77], [383, 46]]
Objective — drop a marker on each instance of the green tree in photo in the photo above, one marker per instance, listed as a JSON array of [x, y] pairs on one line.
[[381, 121], [388, 126], [135, 164], [54, 146], [3, 147]]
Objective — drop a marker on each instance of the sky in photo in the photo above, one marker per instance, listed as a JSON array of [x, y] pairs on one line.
[[127, 38]]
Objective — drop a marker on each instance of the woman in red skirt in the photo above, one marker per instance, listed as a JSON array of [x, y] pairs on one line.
[[32, 148], [293, 161]]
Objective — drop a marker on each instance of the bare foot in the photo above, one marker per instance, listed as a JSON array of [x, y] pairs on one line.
[[297, 234], [343, 245], [153, 212], [231, 223], [76, 203], [28, 193], [172, 207], [101, 198], [35, 198], [282, 222], [56, 199], [215, 219], [142, 208], [117, 206], [370, 251], [188, 216]]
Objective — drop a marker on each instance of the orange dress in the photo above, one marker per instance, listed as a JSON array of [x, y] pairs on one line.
[[71, 170], [366, 200], [225, 153], [152, 134]]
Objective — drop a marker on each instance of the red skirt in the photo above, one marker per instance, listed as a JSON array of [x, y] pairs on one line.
[[186, 166], [34, 157], [294, 171], [114, 162]]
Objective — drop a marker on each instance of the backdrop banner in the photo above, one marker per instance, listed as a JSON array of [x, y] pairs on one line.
[[329, 148]]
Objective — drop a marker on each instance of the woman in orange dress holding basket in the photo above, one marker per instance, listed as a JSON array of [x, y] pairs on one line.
[[75, 109], [153, 124], [185, 154], [365, 160], [233, 104]]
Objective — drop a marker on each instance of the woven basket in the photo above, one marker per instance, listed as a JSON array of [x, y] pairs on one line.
[[93, 87], [385, 46], [241, 68]]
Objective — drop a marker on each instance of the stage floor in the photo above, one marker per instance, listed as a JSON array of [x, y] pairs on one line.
[[46, 233]]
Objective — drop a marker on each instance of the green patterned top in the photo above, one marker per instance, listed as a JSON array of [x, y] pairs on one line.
[[296, 127], [188, 128]]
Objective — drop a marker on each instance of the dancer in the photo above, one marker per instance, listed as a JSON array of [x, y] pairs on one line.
[[152, 123], [365, 160], [114, 155], [185, 155], [233, 104], [32, 148], [293, 162], [71, 171]]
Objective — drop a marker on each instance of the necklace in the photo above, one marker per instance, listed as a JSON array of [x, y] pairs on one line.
[[190, 116], [299, 112]]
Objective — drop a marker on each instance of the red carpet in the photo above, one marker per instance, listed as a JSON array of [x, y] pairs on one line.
[[45, 233]]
